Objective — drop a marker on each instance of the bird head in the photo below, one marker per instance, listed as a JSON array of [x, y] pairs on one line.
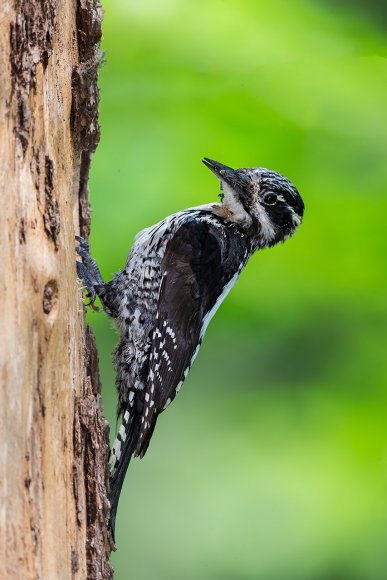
[[260, 201]]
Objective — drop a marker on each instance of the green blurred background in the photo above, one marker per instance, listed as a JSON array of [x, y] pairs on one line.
[[272, 462]]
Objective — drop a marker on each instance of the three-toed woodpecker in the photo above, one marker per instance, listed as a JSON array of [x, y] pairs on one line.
[[176, 275]]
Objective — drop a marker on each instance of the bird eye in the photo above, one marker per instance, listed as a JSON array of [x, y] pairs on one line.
[[269, 198]]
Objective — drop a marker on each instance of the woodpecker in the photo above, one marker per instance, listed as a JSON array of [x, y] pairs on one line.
[[176, 275]]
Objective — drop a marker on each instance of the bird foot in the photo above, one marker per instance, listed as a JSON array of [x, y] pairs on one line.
[[88, 271]]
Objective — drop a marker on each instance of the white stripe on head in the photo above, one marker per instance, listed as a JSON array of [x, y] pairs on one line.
[[268, 231], [232, 203]]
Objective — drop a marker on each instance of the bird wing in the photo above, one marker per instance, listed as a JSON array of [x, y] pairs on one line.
[[193, 278]]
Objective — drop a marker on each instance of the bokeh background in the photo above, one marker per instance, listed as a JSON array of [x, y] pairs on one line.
[[272, 462]]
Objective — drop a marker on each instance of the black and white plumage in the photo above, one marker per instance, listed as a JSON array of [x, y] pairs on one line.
[[176, 275]]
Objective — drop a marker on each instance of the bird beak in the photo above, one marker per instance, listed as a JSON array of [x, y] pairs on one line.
[[233, 177], [221, 171]]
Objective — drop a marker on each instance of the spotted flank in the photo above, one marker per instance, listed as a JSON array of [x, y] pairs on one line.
[[121, 437]]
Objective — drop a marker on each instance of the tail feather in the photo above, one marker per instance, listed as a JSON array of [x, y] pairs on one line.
[[121, 454], [132, 438]]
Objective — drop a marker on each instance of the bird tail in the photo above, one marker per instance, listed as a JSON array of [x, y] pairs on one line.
[[120, 456]]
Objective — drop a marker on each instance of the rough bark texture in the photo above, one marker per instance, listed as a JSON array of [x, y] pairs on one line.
[[54, 436]]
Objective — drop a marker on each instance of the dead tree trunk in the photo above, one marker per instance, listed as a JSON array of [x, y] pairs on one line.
[[53, 432]]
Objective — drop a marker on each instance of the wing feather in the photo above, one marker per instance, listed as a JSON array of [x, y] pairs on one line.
[[193, 279]]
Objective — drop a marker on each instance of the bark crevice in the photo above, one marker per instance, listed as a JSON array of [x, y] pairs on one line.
[[91, 445]]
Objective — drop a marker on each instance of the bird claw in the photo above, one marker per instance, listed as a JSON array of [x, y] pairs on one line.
[[84, 275], [82, 242], [88, 271], [83, 249]]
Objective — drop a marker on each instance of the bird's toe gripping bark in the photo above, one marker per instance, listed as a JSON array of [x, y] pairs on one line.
[[88, 270], [84, 275]]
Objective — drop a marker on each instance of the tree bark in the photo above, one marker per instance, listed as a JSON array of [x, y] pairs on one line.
[[54, 438]]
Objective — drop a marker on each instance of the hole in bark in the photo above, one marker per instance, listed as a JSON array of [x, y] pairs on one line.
[[50, 297]]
